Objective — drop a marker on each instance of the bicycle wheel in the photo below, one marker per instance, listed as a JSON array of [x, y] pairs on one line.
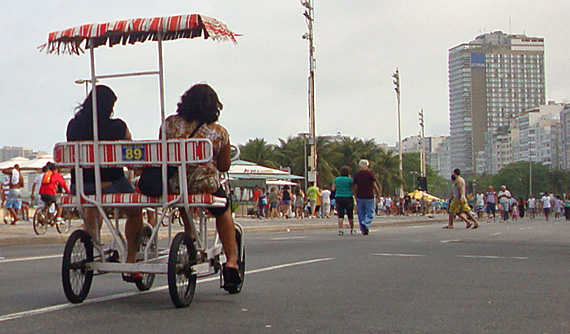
[[40, 223], [241, 262], [181, 279], [66, 225], [145, 283], [75, 277]]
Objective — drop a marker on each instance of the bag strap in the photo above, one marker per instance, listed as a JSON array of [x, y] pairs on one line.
[[196, 129]]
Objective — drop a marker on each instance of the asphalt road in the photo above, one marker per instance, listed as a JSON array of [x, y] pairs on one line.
[[501, 278]]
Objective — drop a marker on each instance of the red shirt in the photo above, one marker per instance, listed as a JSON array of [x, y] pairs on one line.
[[51, 188]]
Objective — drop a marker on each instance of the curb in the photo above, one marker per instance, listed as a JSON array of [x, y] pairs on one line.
[[47, 239]]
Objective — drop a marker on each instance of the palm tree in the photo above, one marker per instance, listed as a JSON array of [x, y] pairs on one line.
[[387, 170], [260, 152]]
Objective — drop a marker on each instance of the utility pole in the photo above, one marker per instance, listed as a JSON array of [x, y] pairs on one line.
[[396, 77], [309, 16]]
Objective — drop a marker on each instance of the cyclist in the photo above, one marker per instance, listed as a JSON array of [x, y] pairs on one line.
[[48, 190]]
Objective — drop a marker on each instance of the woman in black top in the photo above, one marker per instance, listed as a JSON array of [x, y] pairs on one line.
[[113, 180]]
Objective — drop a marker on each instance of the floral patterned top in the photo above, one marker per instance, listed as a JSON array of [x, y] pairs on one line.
[[202, 178]]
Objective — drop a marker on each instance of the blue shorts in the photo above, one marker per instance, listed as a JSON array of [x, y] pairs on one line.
[[13, 203], [491, 208]]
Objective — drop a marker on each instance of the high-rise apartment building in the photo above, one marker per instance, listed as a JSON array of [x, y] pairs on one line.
[[491, 80]]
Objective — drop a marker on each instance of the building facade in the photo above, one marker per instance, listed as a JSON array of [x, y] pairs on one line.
[[492, 79]]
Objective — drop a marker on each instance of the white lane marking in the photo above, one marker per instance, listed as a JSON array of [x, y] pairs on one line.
[[398, 255], [31, 258], [494, 257], [59, 307], [288, 238], [496, 233], [525, 228], [448, 241], [420, 226]]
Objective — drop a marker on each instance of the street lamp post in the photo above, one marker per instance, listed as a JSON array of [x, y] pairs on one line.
[[86, 82], [309, 16], [396, 77]]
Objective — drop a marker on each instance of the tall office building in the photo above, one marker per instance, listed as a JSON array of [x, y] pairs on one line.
[[491, 80]]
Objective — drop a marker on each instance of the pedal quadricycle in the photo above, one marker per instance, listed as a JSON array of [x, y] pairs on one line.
[[182, 257]]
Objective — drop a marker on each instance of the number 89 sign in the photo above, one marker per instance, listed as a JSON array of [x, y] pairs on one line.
[[133, 152]]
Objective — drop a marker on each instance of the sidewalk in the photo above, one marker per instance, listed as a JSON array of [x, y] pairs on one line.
[[23, 233]]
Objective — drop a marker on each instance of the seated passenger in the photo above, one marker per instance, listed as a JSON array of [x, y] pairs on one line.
[[196, 117], [113, 180]]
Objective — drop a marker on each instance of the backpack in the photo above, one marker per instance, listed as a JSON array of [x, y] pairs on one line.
[[46, 179]]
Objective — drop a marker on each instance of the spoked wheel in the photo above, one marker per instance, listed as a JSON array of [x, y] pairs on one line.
[[66, 224], [75, 277], [147, 280], [181, 279], [241, 262], [40, 222]]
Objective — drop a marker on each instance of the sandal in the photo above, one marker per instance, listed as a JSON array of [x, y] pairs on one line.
[[476, 226], [447, 227], [232, 279], [468, 225]]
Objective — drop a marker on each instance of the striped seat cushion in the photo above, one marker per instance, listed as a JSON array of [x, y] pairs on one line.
[[206, 200]]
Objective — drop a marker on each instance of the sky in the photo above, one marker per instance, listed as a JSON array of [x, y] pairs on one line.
[[262, 81]]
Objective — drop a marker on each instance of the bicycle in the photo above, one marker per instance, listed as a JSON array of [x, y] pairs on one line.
[[46, 217]]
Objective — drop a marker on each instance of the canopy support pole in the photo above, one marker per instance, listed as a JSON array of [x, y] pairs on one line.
[[163, 130]]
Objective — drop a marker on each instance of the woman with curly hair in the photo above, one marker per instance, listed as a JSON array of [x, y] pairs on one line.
[[196, 117]]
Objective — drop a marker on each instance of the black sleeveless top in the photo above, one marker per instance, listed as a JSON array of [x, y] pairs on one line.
[[113, 129]]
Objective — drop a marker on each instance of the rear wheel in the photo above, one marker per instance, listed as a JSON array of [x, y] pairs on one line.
[[181, 279], [64, 226], [76, 278], [40, 223], [145, 283]]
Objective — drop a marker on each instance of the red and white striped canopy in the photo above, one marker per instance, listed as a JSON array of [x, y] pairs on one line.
[[137, 30]]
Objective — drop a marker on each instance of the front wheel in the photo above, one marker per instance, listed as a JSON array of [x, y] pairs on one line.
[[76, 278], [145, 283], [40, 222], [181, 279], [65, 225]]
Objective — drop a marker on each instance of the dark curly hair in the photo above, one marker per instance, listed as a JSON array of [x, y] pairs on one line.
[[345, 171], [200, 103]]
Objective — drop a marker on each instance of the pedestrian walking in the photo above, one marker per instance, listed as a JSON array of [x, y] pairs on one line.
[[326, 202], [546, 205], [491, 200], [459, 205], [342, 186], [366, 185], [313, 194], [521, 207], [14, 198], [505, 202]]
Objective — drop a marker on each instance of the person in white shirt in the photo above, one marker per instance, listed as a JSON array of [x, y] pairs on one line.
[[505, 200], [531, 206], [546, 204], [480, 204], [326, 202]]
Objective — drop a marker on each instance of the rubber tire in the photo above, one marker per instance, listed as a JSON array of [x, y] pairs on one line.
[[76, 270], [241, 262], [64, 228], [40, 228], [180, 260], [145, 283]]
